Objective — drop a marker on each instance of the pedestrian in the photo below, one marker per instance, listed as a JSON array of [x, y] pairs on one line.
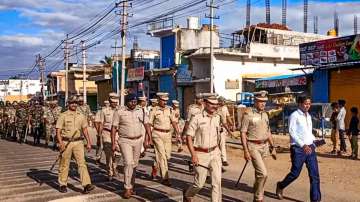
[[204, 128], [176, 111], [257, 141], [106, 120], [302, 150], [334, 129], [162, 119], [354, 132], [69, 127], [142, 106], [341, 126], [129, 121], [226, 125]]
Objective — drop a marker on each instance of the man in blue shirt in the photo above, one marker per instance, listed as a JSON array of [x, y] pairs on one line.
[[302, 150]]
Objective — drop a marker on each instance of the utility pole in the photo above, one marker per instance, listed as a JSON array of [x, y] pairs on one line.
[[66, 57], [123, 22], [41, 63], [83, 48], [211, 17], [305, 15]]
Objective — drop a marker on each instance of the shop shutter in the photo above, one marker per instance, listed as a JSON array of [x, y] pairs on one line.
[[345, 84]]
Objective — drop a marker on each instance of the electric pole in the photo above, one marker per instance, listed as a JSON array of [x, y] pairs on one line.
[[41, 63], [66, 57], [123, 22], [211, 17], [83, 48]]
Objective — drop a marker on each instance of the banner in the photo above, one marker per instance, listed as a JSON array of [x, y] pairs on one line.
[[135, 74], [331, 51]]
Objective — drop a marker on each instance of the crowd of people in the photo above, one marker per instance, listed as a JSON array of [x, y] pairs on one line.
[[127, 132], [339, 131]]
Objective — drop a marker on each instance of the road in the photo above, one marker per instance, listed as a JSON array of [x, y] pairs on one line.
[[25, 176]]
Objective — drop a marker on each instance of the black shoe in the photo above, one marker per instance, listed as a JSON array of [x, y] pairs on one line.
[[88, 188], [63, 189], [225, 163], [166, 182], [279, 191]]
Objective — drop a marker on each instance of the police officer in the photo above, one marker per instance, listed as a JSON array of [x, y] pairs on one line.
[[226, 122], [176, 111], [37, 122], [83, 108], [11, 121], [194, 109], [106, 120], [68, 133], [204, 128], [162, 119], [142, 106], [257, 140], [97, 121], [129, 121], [154, 103]]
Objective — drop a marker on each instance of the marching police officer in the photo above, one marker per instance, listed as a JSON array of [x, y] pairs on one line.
[[106, 120], [176, 111], [162, 119], [129, 121], [68, 133], [257, 140], [204, 128], [99, 143]]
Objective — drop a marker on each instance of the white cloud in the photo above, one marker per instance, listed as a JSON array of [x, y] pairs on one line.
[[20, 40]]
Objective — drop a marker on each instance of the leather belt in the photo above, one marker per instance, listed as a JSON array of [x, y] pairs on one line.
[[258, 141], [133, 138], [74, 140], [205, 150], [161, 130], [106, 129]]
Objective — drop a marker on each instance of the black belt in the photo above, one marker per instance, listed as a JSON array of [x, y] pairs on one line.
[[107, 130], [258, 141], [161, 130], [132, 138], [73, 140]]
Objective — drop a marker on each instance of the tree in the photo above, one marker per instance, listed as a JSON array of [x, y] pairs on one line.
[[107, 61]]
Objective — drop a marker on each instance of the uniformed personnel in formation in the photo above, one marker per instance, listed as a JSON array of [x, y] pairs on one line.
[[204, 128], [129, 122], [226, 125], [51, 113], [162, 119], [257, 140], [37, 122], [106, 120], [176, 111], [142, 106], [68, 132], [22, 120], [84, 108], [99, 143]]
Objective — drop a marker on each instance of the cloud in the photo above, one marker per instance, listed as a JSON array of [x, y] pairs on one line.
[[15, 40]]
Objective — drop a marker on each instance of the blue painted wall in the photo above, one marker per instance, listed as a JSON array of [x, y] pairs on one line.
[[166, 82], [320, 86]]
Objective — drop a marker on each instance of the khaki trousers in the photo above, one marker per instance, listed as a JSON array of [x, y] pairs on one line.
[[48, 133], [335, 139], [111, 162], [223, 145], [130, 150], [162, 145], [76, 149], [211, 160], [258, 153]]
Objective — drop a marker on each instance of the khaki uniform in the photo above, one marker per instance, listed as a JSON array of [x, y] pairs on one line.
[[177, 120], [144, 115], [193, 110], [99, 147], [71, 123], [130, 126], [160, 119], [51, 115], [256, 125], [224, 113], [205, 129], [106, 119]]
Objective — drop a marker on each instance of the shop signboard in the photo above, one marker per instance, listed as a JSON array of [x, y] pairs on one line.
[[331, 51], [135, 74], [294, 81]]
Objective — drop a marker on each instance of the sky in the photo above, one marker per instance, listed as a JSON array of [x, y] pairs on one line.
[[31, 27]]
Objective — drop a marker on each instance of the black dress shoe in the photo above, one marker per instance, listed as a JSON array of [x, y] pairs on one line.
[[88, 188], [166, 182], [63, 189], [225, 163], [279, 191]]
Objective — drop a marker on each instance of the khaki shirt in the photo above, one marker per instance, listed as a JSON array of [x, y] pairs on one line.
[[205, 129], [177, 115], [255, 124], [85, 110], [97, 116], [70, 122], [193, 110], [161, 118], [224, 113], [106, 117], [129, 122]]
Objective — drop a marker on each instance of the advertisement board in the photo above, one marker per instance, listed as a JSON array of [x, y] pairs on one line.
[[330, 51], [135, 74]]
